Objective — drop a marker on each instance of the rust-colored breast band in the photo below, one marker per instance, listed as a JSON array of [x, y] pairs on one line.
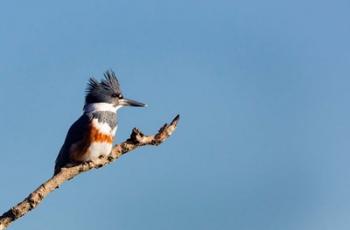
[[97, 136]]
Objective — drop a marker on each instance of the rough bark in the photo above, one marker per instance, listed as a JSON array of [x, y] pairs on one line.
[[137, 139]]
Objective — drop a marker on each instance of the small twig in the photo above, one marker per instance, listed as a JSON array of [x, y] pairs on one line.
[[137, 139]]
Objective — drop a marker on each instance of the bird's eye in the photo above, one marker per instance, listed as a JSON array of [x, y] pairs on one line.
[[117, 95]]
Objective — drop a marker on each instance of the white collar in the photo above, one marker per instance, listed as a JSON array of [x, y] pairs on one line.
[[100, 107]]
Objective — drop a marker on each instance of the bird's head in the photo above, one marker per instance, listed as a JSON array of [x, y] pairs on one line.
[[107, 93]]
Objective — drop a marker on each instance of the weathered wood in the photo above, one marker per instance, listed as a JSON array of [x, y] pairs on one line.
[[137, 139]]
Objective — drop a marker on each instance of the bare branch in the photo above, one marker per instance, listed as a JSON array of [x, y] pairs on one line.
[[137, 139]]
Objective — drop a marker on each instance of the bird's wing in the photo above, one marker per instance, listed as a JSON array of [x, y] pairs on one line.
[[77, 133]]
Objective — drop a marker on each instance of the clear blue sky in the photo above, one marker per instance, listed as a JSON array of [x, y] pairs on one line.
[[262, 88]]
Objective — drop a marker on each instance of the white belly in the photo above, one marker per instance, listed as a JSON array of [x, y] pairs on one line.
[[98, 149]]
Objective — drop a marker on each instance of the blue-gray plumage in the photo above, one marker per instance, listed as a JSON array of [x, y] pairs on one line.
[[92, 134]]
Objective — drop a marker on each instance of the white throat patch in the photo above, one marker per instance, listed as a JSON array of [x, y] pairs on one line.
[[100, 107]]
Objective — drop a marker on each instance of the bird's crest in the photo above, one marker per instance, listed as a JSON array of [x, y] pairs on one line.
[[104, 90], [109, 84]]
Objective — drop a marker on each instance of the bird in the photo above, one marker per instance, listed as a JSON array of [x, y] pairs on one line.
[[92, 135]]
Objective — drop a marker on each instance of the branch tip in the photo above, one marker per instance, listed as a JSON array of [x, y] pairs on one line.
[[176, 120]]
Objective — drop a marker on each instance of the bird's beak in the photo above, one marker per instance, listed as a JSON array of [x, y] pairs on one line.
[[129, 102]]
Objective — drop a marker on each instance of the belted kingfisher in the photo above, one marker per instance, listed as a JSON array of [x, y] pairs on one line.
[[92, 134]]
